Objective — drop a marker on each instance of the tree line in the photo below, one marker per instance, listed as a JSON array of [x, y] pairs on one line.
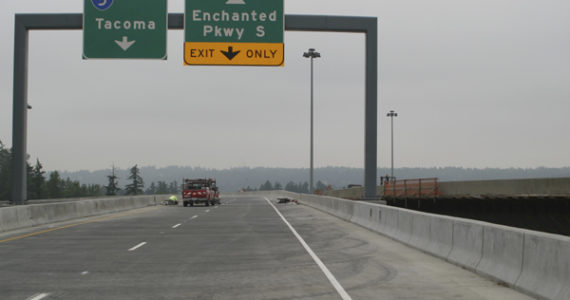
[[300, 187], [136, 185], [235, 179], [40, 187], [53, 186]]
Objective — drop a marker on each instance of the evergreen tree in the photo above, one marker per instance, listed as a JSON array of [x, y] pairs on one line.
[[91, 190], [113, 187], [267, 186], [297, 187], [36, 185], [151, 189], [162, 188], [291, 187], [304, 188], [29, 178], [173, 187], [321, 186], [5, 173], [137, 184], [71, 189], [54, 186], [277, 186]]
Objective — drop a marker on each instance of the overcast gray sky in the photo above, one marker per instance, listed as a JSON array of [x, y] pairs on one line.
[[476, 83]]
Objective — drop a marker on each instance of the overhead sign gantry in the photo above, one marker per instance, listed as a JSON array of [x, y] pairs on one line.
[[234, 32], [26, 22]]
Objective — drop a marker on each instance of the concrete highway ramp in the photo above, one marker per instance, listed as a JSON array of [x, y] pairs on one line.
[[249, 247]]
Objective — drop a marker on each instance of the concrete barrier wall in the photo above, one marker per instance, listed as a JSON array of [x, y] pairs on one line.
[[533, 262], [502, 253], [536, 186], [354, 193], [467, 244], [547, 259], [420, 231], [18, 217], [404, 230], [351, 193], [361, 210], [440, 236]]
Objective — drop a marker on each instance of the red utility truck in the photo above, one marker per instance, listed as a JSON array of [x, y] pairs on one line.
[[202, 190]]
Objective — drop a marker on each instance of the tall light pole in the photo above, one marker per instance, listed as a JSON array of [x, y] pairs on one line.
[[311, 54], [392, 114]]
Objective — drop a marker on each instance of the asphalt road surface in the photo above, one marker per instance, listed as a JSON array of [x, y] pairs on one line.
[[246, 248]]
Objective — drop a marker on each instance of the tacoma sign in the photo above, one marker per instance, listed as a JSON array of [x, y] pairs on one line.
[[125, 29]]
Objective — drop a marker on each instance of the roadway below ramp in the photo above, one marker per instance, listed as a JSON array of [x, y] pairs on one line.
[[246, 248]]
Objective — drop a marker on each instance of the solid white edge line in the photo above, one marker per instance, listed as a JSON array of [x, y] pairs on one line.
[[176, 225], [343, 294], [38, 296], [137, 246]]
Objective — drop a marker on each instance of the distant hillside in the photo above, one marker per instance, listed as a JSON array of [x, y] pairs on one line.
[[234, 179]]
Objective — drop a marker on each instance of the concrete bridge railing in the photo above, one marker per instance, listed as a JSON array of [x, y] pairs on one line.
[[25, 216], [534, 186]]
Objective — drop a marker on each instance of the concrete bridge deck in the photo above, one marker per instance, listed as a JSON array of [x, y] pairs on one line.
[[239, 250]]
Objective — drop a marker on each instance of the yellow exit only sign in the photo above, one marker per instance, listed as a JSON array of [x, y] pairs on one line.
[[238, 54]]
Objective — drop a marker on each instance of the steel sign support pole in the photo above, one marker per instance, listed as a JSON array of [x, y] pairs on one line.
[[312, 54], [392, 114], [392, 143], [371, 112], [311, 177], [25, 22], [20, 113]]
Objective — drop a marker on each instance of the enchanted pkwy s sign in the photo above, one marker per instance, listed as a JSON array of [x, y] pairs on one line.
[[234, 32]]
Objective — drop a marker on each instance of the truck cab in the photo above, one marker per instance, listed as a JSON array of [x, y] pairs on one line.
[[197, 191]]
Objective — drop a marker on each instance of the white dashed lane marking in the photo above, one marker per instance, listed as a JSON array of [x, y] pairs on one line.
[[137, 246], [38, 296]]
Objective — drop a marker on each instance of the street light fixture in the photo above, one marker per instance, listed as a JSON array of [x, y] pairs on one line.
[[311, 54], [392, 114]]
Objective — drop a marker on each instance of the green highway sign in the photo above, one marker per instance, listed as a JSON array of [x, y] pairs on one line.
[[125, 29], [243, 21], [234, 32]]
